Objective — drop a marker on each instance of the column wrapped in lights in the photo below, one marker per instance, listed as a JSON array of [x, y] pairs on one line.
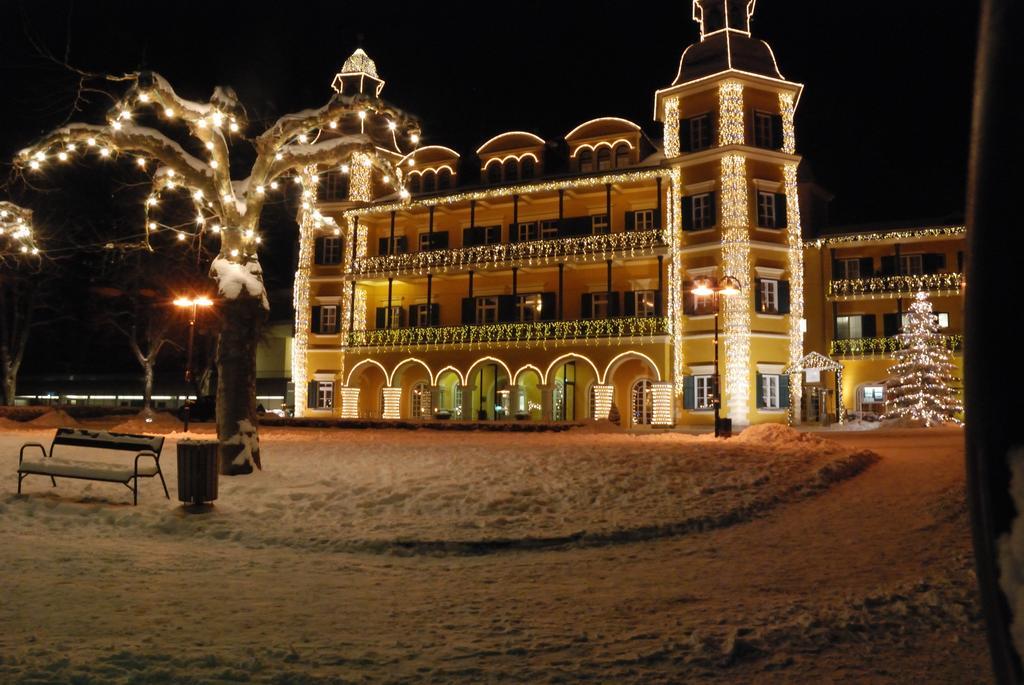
[[795, 265], [350, 403], [300, 294], [730, 113], [662, 394], [360, 178], [603, 401], [392, 403], [671, 134], [674, 230], [787, 107], [736, 263]]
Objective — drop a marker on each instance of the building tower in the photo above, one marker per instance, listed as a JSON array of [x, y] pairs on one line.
[[729, 143]]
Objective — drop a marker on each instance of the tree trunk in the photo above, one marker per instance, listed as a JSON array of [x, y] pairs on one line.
[[236, 385], [10, 387], [147, 391]]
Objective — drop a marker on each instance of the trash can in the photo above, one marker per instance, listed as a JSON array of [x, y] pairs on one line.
[[725, 428], [197, 471]]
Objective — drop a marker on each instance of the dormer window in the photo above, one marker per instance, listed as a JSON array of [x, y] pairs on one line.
[[586, 157], [604, 159], [622, 156], [415, 184], [444, 179], [528, 167], [494, 173], [511, 170], [429, 182]]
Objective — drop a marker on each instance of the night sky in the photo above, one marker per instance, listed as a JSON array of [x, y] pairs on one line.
[[884, 118]]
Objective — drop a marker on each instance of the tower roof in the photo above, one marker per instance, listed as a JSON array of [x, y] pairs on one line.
[[355, 73], [725, 42], [360, 63]]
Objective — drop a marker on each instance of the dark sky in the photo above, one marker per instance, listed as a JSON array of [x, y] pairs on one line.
[[884, 118]]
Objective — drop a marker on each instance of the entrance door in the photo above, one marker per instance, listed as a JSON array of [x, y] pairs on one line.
[[565, 393], [642, 402]]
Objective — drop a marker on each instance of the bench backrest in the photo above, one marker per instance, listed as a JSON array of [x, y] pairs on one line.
[[80, 437]]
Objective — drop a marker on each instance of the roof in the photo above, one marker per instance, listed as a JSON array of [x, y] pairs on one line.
[[725, 51]]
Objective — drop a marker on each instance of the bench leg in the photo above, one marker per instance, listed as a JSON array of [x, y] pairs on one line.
[[54, 481], [135, 491], [21, 477], [164, 483]]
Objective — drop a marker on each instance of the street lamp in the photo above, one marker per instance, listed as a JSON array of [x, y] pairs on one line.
[[707, 287], [193, 304]]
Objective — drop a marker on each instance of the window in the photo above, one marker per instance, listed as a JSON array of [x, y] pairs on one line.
[[700, 132], [526, 231], [642, 401], [702, 304], [548, 229], [419, 401], [604, 159], [599, 224], [325, 395], [848, 269], [415, 184], [763, 129], [943, 319], [704, 392], [511, 170], [333, 187], [481, 235], [703, 216], [395, 320], [849, 327], [872, 399], [328, 251], [328, 319], [911, 264], [429, 240], [429, 181], [599, 304], [621, 156], [586, 162], [769, 296], [766, 209], [423, 317], [646, 303], [486, 310], [529, 167], [528, 307], [643, 220], [386, 247], [494, 172], [770, 391], [444, 179]]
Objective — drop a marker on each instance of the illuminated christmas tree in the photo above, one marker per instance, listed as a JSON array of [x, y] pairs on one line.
[[922, 387]]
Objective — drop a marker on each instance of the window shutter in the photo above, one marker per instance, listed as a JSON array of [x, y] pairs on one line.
[[867, 267], [781, 215], [713, 208], [689, 300], [760, 391], [630, 304], [382, 246], [507, 308], [440, 240], [468, 311], [401, 245], [777, 138], [314, 320], [684, 136], [933, 263], [657, 303], [889, 265], [587, 306], [783, 297], [687, 213], [784, 391], [689, 393], [513, 233], [837, 270], [960, 260], [657, 218], [630, 221], [381, 321], [548, 306], [613, 304], [890, 324], [469, 237], [318, 251], [435, 313], [867, 326], [311, 394], [710, 132], [757, 296], [414, 314]]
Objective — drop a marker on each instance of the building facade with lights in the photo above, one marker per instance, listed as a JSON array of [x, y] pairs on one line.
[[553, 279]]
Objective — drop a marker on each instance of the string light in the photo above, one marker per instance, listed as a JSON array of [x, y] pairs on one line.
[[349, 403], [736, 263], [671, 127], [16, 229], [888, 236], [392, 403], [795, 265], [661, 404], [603, 395], [894, 286], [787, 107], [730, 115], [873, 347]]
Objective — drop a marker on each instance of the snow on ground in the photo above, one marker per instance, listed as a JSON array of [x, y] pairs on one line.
[[396, 556]]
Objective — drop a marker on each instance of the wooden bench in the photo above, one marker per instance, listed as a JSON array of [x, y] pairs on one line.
[[145, 447]]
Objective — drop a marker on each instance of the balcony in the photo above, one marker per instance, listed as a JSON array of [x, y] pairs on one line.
[[534, 252], [874, 347], [881, 287], [533, 331]]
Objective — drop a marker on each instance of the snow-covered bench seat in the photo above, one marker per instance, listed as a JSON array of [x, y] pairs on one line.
[[146, 448]]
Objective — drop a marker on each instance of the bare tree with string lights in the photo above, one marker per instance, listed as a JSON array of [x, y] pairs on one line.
[[185, 148]]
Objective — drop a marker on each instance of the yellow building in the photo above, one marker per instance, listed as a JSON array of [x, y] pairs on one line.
[[538, 279]]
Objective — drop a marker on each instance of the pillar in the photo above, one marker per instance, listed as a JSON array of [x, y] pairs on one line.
[[662, 396], [603, 395], [467, 403], [547, 401], [350, 403], [392, 403], [435, 393]]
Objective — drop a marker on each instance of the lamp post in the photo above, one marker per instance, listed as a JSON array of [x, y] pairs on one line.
[[192, 304], [707, 287]]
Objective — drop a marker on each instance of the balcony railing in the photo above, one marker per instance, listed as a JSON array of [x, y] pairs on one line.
[[868, 347], [533, 331], [601, 246], [894, 286]]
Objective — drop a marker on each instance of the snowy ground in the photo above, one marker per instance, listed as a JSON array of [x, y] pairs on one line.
[[396, 556]]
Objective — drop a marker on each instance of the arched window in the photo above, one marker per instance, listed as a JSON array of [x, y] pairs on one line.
[[414, 183], [586, 160], [642, 402], [604, 159], [444, 179], [494, 172], [621, 156], [429, 181], [419, 401], [529, 167], [511, 170]]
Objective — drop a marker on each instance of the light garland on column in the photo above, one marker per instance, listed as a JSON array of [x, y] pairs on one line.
[[787, 107], [300, 294], [603, 401], [671, 134], [661, 399], [350, 403], [360, 179], [392, 403], [359, 321], [674, 229], [795, 264], [730, 113], [736, 263]]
